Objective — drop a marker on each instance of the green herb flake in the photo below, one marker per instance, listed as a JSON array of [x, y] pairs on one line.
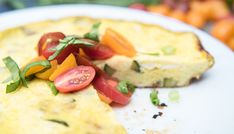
[[68, 40], [125, 86], [93, 34], [174, 96], [169, 82], [53, 88], [135, 66], [15, 74], [154, 97], [150, 54], [168, 50], [59, 122], [109, 70]]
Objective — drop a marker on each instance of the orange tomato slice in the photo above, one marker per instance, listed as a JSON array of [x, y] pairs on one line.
[[118, 43]]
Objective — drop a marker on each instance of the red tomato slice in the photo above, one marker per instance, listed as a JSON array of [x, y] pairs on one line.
[[75, 79], [98, 52], [108, 86], [83, 61], [49, 38]]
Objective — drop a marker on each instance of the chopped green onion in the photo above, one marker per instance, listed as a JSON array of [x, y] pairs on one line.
[[93, 34], [135, 66], [53, 88], [154, 97], [109, 70], [168, 50], [68, 40], [125, 87], [15, 74], [169, 82], [151, 54], [59, 122], [174, 96]]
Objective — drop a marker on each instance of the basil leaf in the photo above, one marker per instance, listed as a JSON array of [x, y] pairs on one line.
[[93, 34], [15, 74], [44, 63], [53, 88], [154, 97], [68, 40], [125, 87], [59, 122]]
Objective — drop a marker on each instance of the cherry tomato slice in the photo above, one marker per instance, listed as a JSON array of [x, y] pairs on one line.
[[108, 86], [98, 52], [75, 79], [49, 38]]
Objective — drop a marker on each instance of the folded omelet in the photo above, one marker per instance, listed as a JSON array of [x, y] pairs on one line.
[[164, 59]]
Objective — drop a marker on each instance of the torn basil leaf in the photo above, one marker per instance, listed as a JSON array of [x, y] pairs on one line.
[[93, 34], [68, 40], [59, 122], [109, 70], [53, 88], [135, 66], [168, 50], [15, 74], [154, 97], [43, 63], [124, 87]]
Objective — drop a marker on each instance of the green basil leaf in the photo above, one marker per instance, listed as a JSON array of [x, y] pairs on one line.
[[154, 97], [68, 40], [15, 74], [94, 33], [125, 87], [150, 53], [53, 88], [44, 63], [59, 122]]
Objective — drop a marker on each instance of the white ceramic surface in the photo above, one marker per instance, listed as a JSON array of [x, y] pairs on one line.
[[205, 107]]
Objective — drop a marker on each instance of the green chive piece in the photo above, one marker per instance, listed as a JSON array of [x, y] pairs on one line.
[[93, 34], [68, 40], [53, 88], [174, 96], [151, 54], [169, 82], [59, 122], [154, 97], [124, 87], [135, 66], [15, 74], [168, 50], [109, 70]]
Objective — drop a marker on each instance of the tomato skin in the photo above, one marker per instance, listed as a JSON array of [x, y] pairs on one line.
[[75, 79], [108, 86], [52, 37], [98, 52]]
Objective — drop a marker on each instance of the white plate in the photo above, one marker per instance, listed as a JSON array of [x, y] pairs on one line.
[[205, 107]]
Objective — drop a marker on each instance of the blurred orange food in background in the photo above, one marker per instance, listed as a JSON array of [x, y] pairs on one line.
[[199, 12]]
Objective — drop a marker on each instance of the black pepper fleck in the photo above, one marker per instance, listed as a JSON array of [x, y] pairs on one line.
[[156, 115], [163, 105]]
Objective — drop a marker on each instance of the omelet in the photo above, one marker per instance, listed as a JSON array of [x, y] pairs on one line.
[[164, 59]]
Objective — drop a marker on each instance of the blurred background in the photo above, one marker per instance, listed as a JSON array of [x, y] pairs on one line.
[[213, 16]]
